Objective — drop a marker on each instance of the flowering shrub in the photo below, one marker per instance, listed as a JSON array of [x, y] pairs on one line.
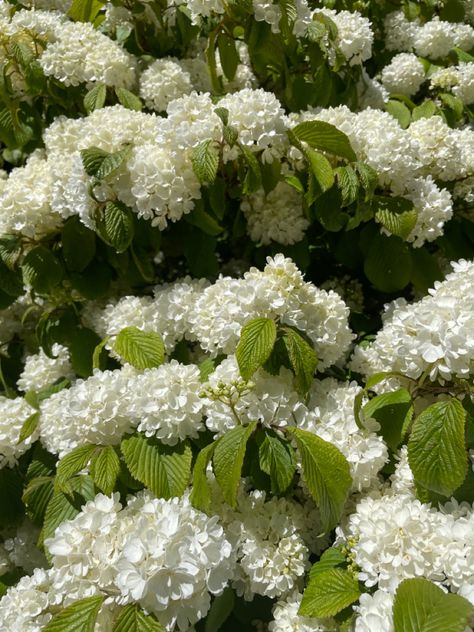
[[236, 315]]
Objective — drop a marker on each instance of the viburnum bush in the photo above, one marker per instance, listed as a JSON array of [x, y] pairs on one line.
[[236, 315]]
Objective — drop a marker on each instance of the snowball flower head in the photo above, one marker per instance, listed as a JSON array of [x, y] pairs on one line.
[[162, 82], [14, 413], [404, 74], [41, 371]]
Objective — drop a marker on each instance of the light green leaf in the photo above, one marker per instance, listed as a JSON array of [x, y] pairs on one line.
[[396, 214], [436, 449], [328, 593], [325, 137], [80, 616], [95, 98], [253, 178], [400, 112], [257, 339], [96, 356], [302, 357], [29, 426], [85, 10], [74, 462], [128, 99], [133, 619], [164, 469], [105, 468], [100, 164], [141, 349], [63, 506], [394, 412], [228, 460], [326, 473], [321, 174], [388, 263], [425, 110], [277, 459], [205, 161], [421, 606], [348, 184], [201, 494], [41, 269], [115, 226]]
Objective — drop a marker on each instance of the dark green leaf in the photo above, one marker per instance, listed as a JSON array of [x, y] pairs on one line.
[[100, 164], [228, 54], [116, 226], [394, 412], [29, 426], [220, 611], [388, 264], [302, 357], [78, 244], [41, 269]]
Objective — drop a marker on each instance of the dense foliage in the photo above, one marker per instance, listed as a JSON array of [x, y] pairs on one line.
[[236, 315]]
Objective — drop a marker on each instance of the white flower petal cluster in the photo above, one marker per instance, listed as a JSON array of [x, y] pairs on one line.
[[287, 619], [91, 411], [434, 335], [459, 79], [272, 540], [162, 554], [162, 82], [41, 371], [277, 217], [25, 199], [269, 399], [13, 414], [433, 39], [374, 612], [404, 74], [331, 417], [29, 605], [277, 292], [354, 34], [204, 8], [167, 402], [81, 54]]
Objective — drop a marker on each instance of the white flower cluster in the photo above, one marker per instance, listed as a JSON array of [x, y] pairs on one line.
[[162, 554], [163, 81], [41, 371], [81, 54], [404, 74], [374, 612], [459, 79], [278, 292], [277, 217], [434, 335], [354, 34], [331, 416], [287, 619], [13, 414], [397, 537], [408, 160], [433, 39]]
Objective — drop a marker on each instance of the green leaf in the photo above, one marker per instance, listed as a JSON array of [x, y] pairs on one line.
[[277, 459], [228, 460], [29, 426], [10, 250], [348, 184], [325, 137], [331, 558], [223, 114], [394, 412], [198, 217], [78, 244], [326, 473], [133, 619], [74, 462], [400, 112], [95, 98], [201, 495], [436, 449], [388, 264], [253, 178], [141, 349], [255, 345], [164, 469], [205, 161], [421, 606], [128, 99], [85, 10], [220, 611], [453, 103], [302, 357], [100, 164], [116, 226], [270, 175], [41, 269], [321, 174], [105, 468], [80, 616], [206, 367], [396, 214], [328, 593], [368, 178], [10, 281], [228, 54], [63, 506], [425, 110]]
